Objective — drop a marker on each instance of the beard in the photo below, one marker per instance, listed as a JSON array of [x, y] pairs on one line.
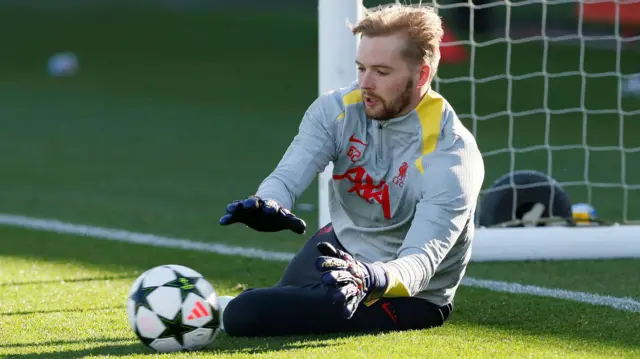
[[385, 110]]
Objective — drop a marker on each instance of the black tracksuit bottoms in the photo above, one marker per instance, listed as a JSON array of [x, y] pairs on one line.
[[300, 304]]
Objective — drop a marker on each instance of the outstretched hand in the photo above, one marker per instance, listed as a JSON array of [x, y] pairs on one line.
[[262, 215]]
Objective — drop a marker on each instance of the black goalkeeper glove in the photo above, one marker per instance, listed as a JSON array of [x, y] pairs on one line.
[[354, 281], [262, 216]]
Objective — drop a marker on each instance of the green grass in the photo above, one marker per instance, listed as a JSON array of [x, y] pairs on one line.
[[63, 297]]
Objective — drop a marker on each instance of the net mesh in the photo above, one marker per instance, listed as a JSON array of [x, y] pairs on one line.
[[554, 87]]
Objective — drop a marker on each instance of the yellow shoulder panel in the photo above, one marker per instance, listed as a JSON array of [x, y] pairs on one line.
[[430, 115], [351, 98]]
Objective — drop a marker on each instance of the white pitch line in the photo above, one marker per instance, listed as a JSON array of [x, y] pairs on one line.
[[624, 304], [119, 235]]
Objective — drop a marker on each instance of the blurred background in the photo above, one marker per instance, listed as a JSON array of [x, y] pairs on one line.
[[153, 115]]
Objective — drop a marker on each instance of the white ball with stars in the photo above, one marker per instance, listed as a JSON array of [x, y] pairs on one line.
[[173, 308]]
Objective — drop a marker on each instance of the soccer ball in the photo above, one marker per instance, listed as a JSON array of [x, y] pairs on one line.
[[173, 308]]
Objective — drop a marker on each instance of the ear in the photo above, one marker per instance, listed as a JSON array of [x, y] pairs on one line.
[[424, 75]]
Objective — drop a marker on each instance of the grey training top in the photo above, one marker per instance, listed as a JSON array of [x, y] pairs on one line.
[[403, 192]]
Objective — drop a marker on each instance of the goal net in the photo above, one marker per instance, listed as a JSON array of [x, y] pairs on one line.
[[551, 87]]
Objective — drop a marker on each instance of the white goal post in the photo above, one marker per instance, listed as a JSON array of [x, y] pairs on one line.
[[336, 66], [336, 69]]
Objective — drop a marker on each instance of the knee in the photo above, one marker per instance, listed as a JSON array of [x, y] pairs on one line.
[[235, 316], [241, 316]]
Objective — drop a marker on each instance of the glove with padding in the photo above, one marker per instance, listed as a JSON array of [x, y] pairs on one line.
[[354, 281], [262, 215]]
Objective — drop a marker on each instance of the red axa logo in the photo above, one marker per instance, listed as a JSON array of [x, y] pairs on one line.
[[365, 187], [198, 311]]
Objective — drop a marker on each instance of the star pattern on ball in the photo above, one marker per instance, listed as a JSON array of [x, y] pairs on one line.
[[140, 296], [180, 314], [185, 284], [175, 328]]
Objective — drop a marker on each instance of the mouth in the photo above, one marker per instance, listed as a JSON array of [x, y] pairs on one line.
[[369, 101]]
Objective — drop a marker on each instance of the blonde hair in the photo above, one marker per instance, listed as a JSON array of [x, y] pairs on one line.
[[420, 24]]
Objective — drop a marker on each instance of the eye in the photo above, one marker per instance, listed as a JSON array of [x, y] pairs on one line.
[[382, 73], [360, 69]]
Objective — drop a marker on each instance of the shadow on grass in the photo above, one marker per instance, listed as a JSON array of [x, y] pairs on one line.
[[133, 259], [115, 347], [66, 310], [71, 280], [63, 342], [109, 349], [248, 346]]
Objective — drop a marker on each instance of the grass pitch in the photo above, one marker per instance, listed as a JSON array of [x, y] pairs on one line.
[[64, 297]]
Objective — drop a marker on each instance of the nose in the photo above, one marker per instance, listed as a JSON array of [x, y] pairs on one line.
[[366, 81]]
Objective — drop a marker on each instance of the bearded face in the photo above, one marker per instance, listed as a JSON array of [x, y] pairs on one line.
[[386, 80], [380, 107]]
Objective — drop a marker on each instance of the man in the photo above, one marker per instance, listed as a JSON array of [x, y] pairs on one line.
[[406, 178]]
